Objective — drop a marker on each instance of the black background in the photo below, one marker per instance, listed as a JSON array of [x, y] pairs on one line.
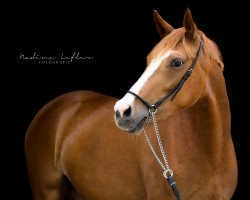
[[118, 35]]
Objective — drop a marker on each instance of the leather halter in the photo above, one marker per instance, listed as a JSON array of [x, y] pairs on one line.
[[174, 91]]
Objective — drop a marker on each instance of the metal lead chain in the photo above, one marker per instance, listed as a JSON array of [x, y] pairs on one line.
[[149, 120], [167, 171]]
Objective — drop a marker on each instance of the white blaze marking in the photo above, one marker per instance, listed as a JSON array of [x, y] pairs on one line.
[[128, 99]]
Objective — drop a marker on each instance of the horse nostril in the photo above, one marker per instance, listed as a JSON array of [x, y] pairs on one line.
[[117, 114], [127, 112], [123, 112]]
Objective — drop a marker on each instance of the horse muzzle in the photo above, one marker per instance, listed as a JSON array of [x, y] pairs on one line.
[[130, 124]]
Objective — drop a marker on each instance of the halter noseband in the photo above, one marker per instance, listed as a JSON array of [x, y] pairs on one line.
[[174, 91]]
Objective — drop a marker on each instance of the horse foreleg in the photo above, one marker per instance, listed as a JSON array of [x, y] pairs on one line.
[[46, 180], [46, 184]]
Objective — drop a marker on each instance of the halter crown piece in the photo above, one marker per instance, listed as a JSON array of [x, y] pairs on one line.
[[167, 172]]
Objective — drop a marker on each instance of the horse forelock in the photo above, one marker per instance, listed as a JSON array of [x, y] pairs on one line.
[[170, 42], [167, 43]]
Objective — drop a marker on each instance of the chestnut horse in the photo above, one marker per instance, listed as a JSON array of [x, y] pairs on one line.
[[76, 146]]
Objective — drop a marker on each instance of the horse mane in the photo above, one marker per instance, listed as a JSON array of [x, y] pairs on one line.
[[210, 49]]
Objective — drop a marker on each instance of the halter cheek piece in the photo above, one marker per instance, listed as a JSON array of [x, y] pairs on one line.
[[174, 91]]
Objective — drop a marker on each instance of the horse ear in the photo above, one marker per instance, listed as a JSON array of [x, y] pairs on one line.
[[189, 24], [162, 26]]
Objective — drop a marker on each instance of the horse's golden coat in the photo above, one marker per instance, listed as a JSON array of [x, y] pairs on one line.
[[74, 149]]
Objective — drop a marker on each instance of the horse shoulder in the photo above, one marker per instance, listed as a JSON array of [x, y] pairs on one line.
[[59, 118]]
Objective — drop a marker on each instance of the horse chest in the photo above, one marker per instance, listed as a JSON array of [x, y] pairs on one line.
[[102, 171]]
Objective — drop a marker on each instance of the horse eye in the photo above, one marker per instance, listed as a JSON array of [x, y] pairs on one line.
[[177, 62]]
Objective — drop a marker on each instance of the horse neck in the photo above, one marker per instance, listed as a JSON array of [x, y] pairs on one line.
[[210, 117], [213, 107], [206, 124]]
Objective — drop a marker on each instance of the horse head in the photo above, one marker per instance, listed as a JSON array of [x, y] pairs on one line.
[[169, 65]]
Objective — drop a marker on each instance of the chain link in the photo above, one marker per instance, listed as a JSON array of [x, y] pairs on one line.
[[149, 120]]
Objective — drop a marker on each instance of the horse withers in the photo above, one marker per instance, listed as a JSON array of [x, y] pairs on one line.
[[76, 147]]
